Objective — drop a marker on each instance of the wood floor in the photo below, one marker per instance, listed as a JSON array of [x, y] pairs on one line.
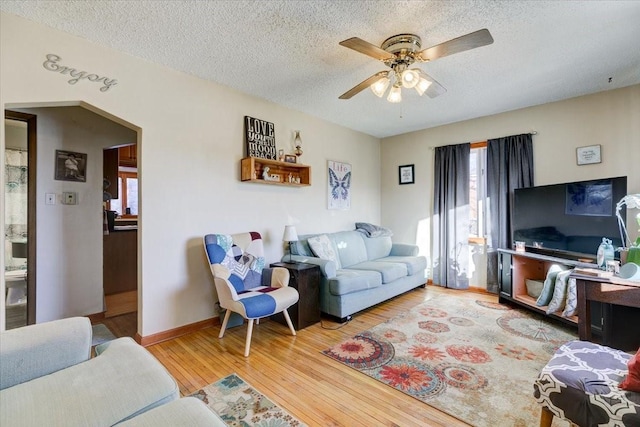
[[294, 373]]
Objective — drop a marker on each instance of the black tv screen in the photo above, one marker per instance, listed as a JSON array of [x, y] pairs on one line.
[[568, 220]]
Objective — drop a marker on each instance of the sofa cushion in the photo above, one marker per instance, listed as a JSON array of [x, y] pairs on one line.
[[348, 281], [377, 247], [188, 411], [37, 350], [122, 381], [414, 264], [323, 248], [389, 271], [350, 246]]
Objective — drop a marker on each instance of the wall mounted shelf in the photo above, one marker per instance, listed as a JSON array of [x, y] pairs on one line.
[[252, 168]]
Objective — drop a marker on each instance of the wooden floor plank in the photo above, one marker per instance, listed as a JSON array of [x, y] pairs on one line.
[[293, 372]]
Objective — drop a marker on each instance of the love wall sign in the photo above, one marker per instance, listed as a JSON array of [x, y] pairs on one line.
[[260, 138]]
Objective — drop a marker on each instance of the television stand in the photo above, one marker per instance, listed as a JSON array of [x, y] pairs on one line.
[[607, 318]]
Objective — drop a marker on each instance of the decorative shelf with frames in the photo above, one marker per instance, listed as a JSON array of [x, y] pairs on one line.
[[279, 173]]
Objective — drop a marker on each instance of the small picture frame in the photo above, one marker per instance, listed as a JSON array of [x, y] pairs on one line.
[[405, 174], [588, 155], [70, 166], [281, 155], [289, 158]]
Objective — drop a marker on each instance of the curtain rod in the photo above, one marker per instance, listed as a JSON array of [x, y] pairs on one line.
[[485, 141]]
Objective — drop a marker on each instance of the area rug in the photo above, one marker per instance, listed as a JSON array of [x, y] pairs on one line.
[[239, 404], [474, 360], [101, 334]]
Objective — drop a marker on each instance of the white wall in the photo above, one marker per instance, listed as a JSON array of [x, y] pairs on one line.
[[190, 144], [69, 249], [610, 118]]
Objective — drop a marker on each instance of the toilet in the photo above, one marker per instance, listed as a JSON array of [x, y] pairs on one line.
[[16, 284]]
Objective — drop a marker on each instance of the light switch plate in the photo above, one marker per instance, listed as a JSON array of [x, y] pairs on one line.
[[70, 198]]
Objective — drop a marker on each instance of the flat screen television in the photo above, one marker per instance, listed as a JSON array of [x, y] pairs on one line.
[[568, 220]]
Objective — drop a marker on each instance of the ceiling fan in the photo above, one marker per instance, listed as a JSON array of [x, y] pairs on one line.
[[399, 52]]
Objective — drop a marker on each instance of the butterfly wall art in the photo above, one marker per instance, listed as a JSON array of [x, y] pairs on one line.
[[339, 188]]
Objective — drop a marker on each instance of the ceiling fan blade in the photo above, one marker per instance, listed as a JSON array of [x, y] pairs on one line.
[[459, 44], [363, 85], [367, 48], [435, 88]]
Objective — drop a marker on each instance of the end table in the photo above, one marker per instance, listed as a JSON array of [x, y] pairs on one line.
[[305, 278]]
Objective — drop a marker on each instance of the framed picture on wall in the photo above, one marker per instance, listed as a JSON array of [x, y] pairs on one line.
[[70, 166], [588, 155], [405, 174]]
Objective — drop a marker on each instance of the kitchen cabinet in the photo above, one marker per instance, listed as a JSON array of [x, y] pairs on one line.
[[128, 156], [110, 171]]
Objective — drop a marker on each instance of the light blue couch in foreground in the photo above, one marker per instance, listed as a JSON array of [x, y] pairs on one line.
[[48, 378], [366, 270]]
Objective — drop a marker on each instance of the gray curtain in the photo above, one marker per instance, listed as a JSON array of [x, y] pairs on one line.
[[509, 166], [451, 216]]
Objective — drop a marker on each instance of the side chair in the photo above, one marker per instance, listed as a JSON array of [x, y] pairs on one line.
[[243, 283]]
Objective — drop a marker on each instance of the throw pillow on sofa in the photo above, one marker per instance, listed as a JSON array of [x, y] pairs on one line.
[[322, 247]]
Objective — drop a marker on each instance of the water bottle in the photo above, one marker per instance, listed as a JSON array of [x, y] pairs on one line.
[[605, 253]]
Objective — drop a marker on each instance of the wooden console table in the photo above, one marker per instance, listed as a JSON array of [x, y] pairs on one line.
[[613, 291]]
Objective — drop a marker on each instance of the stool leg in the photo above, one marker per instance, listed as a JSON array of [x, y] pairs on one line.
[[546, 417]]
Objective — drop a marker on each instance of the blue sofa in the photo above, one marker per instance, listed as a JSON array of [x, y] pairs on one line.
[[47, 378], [366, 270]]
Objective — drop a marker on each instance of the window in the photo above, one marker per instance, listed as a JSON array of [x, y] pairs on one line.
[[128, 191], [478, 192]]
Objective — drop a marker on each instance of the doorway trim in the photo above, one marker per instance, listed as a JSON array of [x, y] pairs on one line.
[[32, 156]]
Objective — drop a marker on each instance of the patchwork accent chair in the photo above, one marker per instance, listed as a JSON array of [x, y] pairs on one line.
[[581, 384], [243, 283]]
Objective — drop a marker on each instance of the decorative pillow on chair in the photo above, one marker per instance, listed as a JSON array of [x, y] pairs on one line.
[[322, 247], [632, 380]]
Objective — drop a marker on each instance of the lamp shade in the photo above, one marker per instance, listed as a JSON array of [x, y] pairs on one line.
[[19, 249], [290, 234]]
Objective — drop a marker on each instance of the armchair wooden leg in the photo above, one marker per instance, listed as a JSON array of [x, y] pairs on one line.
[[288, 319], [227, 315], [247, 344], [546, 417]]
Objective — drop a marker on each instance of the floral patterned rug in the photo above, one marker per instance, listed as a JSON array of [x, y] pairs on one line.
[[474, 360], [239, 404]]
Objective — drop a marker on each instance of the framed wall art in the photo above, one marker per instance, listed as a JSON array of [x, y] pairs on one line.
[[588, 155], [260, 138], [339, 185], [70, 166], [405, 174]]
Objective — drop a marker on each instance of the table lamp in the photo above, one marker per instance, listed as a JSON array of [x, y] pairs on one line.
[[290, 235]]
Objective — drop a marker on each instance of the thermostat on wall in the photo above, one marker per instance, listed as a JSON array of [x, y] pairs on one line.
[[70, 198]]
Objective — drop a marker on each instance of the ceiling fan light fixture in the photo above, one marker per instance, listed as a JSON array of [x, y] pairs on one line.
[[422, 86], [380, 86], [395, 94], [410, 78]]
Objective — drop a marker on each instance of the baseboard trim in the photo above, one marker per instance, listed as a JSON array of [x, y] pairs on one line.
[[176, 332]]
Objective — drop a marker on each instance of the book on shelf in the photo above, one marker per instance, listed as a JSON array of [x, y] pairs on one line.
[[592, 272]]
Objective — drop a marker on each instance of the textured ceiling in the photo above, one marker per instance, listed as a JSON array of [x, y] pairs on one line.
[[287, 51]]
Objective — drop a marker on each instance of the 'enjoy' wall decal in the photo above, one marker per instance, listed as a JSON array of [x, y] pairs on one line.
[[51, 64]]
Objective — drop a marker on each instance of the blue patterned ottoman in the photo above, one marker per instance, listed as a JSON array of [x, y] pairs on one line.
[[580, 384]]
